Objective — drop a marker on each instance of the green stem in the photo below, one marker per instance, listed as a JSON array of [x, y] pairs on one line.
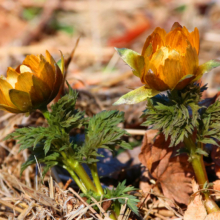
[[79, 170], [113, 215], [95, 176], [200, 173], [76, 179]]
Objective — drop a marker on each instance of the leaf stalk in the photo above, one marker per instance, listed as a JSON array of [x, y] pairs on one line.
[[200, 173]]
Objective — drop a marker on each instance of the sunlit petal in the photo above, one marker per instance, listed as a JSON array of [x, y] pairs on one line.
[[40, 92], [9, 109], [24, 69], [157, 39], [32, 61], [12, 76], [24, 82], [32, 85], [50, 59], [5, 87], [45, 73], [21, 100], [177, 40], [58, 82]]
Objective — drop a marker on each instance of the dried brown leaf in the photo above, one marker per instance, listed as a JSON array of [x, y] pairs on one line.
[[196, 209], [174, 173], [213, 216]]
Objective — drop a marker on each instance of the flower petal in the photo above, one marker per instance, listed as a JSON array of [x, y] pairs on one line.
[[9, 109], [40, 92], [5, 87], [184, 81], [12, 76], [192, 37], [135, 96], [190, 61], [25, 69], [57, 84], [153, 74], [50, 59], [148, 52], [21, 100], [154, 81], [32, 61], [171, 72], [24, 82], [157, 39], [176, 25], [45, 72], [133, 59], [206, 67], [3, 99], [177, 40], [195, 39]]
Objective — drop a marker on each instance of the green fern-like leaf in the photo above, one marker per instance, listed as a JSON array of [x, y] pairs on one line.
[[102, 131], [176, 115]]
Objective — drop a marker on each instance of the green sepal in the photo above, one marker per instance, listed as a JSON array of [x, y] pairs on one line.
[[133, 59], [135, 96], [206, 67]]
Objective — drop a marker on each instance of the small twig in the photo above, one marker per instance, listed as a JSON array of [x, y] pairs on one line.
[[11, 206], [152, 186], [136, 131], [26, 211], [67, 184], [51, 188], [154, 213], [86, 204]]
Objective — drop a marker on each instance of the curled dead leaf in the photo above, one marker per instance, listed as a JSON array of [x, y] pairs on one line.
[[196, 209], [174, 173], [213, 216]]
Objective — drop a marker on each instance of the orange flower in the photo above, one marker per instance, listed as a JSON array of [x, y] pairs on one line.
[[168, 61], [33, 84], [171, 59]]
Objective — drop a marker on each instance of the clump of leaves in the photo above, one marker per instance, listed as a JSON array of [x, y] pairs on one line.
[[119, 195], [176, 114], [52, 145]]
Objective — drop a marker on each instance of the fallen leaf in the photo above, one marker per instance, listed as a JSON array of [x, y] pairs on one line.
[[216, 188], [213, 216], [196, 209], [174, 173], [216, 185]]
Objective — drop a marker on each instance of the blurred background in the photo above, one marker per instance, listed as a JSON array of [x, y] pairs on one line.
[[33, 26]]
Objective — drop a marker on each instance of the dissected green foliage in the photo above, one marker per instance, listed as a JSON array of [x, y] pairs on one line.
[[118, 195], [102, 132], [49, 144], [180, 113], [209, 129], [52, 145], [176, 114]]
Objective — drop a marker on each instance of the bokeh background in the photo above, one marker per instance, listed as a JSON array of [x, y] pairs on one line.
[[33, 26]]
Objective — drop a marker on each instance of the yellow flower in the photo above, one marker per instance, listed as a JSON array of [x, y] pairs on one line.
[[171, 59], [168, 61], [32, 85]]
